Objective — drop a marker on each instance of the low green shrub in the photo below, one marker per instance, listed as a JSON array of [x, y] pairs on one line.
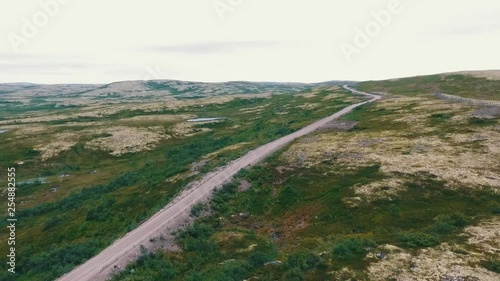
[[447, 223], [197, 209], [419, 239], [304, 261], [492, 265], [348, 248], [294, 274]]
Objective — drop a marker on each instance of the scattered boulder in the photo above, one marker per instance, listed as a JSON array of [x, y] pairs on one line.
[[274, 263]]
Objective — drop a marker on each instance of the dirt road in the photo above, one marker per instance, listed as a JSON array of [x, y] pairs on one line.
[[126, 248]]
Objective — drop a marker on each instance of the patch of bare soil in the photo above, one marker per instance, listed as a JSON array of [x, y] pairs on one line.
[[344, 274], [331, 96], [244, 186], [186, 129], [312, 94], [282, 169], [193, 171], [400, 155], [438, 263], [196, 166], [468, 159], [100, 110], [444, 262], [57, 144], [309, 106], [179, 104], [28, 130], [387, 188], [123, 140], [256, 109], [228, 235], [485, 236], [292, 222], [340, 126]]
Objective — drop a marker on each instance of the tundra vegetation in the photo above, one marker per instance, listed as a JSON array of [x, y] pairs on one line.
[[403, 189], [94, 161]]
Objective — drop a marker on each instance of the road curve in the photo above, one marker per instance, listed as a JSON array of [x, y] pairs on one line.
[[129, 244]]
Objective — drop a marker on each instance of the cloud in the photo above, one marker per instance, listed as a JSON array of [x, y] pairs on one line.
[[212, 47], [471, 30], [41, 66]]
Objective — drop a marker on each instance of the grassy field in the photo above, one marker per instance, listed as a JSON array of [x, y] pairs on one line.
[[411, 192], [88, 174]]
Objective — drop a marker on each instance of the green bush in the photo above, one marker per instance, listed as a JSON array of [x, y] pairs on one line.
[[419, 239], [197, 209], [288, 196], [195, 276], [53, 222], [294, 274], [152, 266], [347, 248], [304, 261], [222, 197], [394, 210], [203, 247], [480, 121], [443, 227], [447, 223], [196, 238], [495, 210], [197, 230], [492, 265], [234, 271], [96, 214], [258, 258], [441, 116], [63, 256]]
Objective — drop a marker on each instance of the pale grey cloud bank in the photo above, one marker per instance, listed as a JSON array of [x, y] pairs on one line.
[[92, 41], [212, 47]]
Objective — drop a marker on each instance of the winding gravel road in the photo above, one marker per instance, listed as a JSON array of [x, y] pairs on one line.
[[124, 249]]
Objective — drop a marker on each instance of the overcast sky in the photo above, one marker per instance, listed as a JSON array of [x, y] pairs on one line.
[[101, 41]]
